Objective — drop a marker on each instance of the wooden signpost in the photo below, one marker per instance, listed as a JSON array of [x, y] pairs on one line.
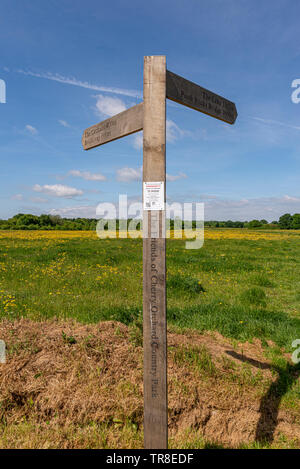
[[150, 116], [194, 96], [126, 123]]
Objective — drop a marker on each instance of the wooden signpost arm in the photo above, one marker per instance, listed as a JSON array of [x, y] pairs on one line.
[[190, 94], [125, 123]]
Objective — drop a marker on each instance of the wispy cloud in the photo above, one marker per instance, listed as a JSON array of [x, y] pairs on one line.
[[63, 123], [216, 208], [86, 211], [135, 174], [173, 133], [108, 106], [270, 208], [274, 122], [175, 177], [17, 197], [32, 130], [38, 200], [138, 141], [87, 175], [82, 84], [129, 174], [291, 198], [58, 190]]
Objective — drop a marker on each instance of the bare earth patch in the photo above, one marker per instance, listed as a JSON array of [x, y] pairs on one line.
[[69, 385]]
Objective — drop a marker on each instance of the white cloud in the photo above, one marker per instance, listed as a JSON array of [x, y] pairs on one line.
[[39, 200], [173, 133], [138, 141], [64, 123], [274, 122], [82, 84], [32, 130], [84, 211], [108, 106], [135, 174], [293, 199], [269, 208], [129, 174], [17, 197], [87, 175], [58, 190], [171, 178]]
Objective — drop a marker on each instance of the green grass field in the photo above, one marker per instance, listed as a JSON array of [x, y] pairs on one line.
[[243, 288], [243, 284]]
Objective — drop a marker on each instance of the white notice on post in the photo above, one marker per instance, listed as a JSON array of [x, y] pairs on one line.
[[154, 195]]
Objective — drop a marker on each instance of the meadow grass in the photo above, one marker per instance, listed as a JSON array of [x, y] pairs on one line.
[[199, 359], [245, 284], [242, 287]]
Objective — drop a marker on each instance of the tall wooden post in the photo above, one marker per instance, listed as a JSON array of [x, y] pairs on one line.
[[154, 258]]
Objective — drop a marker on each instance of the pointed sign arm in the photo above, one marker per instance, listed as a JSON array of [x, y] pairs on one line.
[[189, 94], [122, 124]]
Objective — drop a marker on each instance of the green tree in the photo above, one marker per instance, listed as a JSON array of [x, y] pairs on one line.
[[27, 220], [285, 221], [295, 225], [45, 220], [229, 224], [56, 220], [254, 224]]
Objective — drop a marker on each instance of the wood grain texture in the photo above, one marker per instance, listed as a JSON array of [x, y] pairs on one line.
[[120, 125], [154, 259], [189, 94]]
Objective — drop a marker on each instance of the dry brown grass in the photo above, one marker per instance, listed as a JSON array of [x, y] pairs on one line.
[[69, 385]]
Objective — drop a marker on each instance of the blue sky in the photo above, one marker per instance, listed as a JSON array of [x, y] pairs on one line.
[[69, 64]]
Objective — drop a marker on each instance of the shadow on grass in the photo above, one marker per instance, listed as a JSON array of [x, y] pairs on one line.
[[269, 405]]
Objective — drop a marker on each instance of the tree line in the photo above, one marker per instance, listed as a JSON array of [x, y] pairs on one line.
[[285, 222], [27, 221]]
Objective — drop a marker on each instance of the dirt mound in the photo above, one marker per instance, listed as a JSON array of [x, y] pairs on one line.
[[62, 374]]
